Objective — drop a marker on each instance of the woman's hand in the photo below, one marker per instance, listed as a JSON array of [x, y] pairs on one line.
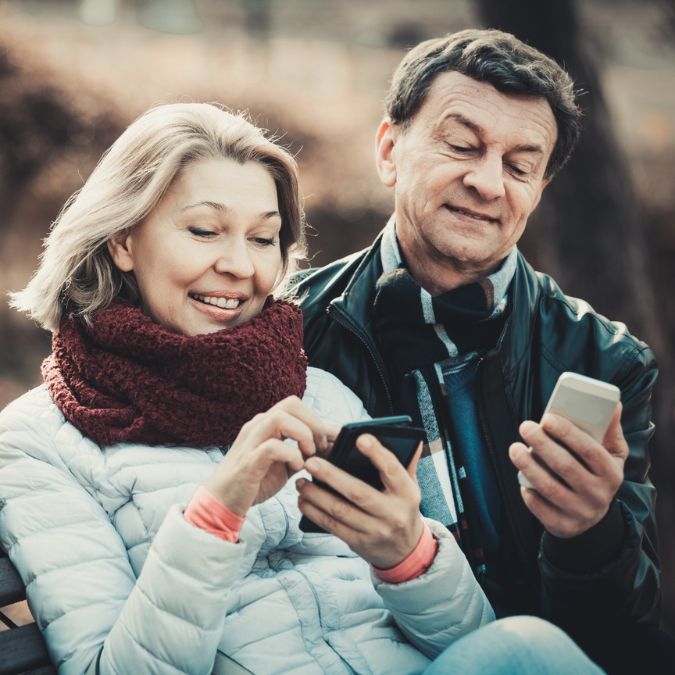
[[259, 463], [382, 527]]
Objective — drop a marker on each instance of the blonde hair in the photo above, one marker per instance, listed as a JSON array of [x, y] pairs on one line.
[[76, 272]]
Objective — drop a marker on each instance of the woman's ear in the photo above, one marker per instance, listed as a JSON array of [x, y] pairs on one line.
[[385, 159], [119, 246]]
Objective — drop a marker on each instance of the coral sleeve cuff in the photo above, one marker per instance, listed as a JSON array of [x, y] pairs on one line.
[[207, 513], [418, 561]]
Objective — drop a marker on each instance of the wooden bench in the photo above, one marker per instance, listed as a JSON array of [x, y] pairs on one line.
[[22, 649]]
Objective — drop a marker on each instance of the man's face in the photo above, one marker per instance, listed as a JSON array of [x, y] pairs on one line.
[[467, 172]]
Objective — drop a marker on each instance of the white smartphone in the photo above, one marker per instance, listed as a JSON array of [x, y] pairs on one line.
[[584, 401]]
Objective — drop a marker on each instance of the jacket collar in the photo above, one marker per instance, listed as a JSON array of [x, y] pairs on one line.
[[356, 299], [356, 302]]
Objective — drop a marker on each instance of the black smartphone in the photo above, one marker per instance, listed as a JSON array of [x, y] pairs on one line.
[[395, 433]]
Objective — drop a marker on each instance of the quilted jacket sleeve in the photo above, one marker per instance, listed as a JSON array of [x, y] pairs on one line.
[[443, 604], [95, 615]]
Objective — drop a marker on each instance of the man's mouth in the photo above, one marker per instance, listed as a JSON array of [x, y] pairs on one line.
[[221, 303], [472, 214]]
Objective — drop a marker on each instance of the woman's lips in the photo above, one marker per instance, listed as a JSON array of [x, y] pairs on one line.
[[222, 315], [228, 301]]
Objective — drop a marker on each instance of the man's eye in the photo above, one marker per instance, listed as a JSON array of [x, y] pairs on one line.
[[517, 171], [201, 232], [461, 148]]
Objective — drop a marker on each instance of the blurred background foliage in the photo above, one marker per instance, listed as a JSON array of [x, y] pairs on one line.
[[74, 73]]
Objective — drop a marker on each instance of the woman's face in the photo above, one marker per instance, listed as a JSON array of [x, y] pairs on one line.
[[208, 255]]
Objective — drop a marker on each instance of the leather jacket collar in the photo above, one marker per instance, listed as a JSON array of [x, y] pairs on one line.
[[364, 269]]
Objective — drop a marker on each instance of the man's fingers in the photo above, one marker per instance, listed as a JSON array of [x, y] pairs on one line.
[[557, 459], [614, 440], [539, 477], [557, 431]]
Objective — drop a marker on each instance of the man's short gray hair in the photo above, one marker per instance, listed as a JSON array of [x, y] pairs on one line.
[[495, 57]]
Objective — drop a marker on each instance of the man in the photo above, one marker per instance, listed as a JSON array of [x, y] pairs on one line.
[[443, 319]]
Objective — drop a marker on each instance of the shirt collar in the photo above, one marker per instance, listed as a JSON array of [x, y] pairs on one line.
[[499, 280]]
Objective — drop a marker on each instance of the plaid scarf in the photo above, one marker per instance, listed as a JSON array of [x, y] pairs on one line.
[[420, 336]]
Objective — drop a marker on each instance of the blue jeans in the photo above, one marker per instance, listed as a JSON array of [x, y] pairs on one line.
[[518, 645]]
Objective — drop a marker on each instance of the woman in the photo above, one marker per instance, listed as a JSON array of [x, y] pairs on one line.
[[146, 493]]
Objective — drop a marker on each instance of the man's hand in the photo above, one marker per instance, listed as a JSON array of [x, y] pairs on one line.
[[382, 527], [573, 477]]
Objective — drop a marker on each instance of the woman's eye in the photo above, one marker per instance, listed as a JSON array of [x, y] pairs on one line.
[[264, 241], [201, 232]]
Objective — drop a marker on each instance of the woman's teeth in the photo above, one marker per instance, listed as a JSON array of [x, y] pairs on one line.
[[222, 303]]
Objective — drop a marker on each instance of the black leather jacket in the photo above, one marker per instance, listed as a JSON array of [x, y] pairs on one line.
[[571, 582]]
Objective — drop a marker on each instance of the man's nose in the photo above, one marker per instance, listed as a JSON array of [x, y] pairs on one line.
[[486, 176], [235, 259]]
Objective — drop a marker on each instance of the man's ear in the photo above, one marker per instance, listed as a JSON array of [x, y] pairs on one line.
[[119, 247], [385, 160]]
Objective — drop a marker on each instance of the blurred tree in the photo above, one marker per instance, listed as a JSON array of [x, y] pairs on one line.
[[38, 123], [258, 18], [668, 25], [42, 127], [588, 232]]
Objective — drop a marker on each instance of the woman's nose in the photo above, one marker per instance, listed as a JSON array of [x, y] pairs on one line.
[[235, 259]]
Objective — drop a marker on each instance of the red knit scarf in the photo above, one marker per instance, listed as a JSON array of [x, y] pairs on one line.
[[128, 379]]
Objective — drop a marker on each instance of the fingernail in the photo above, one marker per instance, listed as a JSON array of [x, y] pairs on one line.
[[366, 441], [551, 421], [300, 483], [311, 464]]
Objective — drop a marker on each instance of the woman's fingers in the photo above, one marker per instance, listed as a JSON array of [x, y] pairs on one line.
[[395, 478], [275, 450], [299, 409], [332, 508], [290, 418], [393, 474]]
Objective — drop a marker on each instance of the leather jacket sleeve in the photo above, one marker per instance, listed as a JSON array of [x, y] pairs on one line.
[[624, 586]]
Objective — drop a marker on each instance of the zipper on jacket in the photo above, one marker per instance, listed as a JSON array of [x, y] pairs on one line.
[[346, 323]]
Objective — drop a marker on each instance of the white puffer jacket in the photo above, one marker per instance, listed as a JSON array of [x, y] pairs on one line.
[[119, 582]]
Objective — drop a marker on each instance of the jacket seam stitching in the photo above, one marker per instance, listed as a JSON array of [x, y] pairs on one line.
[[136, 641]]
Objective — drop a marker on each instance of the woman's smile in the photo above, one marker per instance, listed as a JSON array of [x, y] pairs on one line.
[[222, 309]]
